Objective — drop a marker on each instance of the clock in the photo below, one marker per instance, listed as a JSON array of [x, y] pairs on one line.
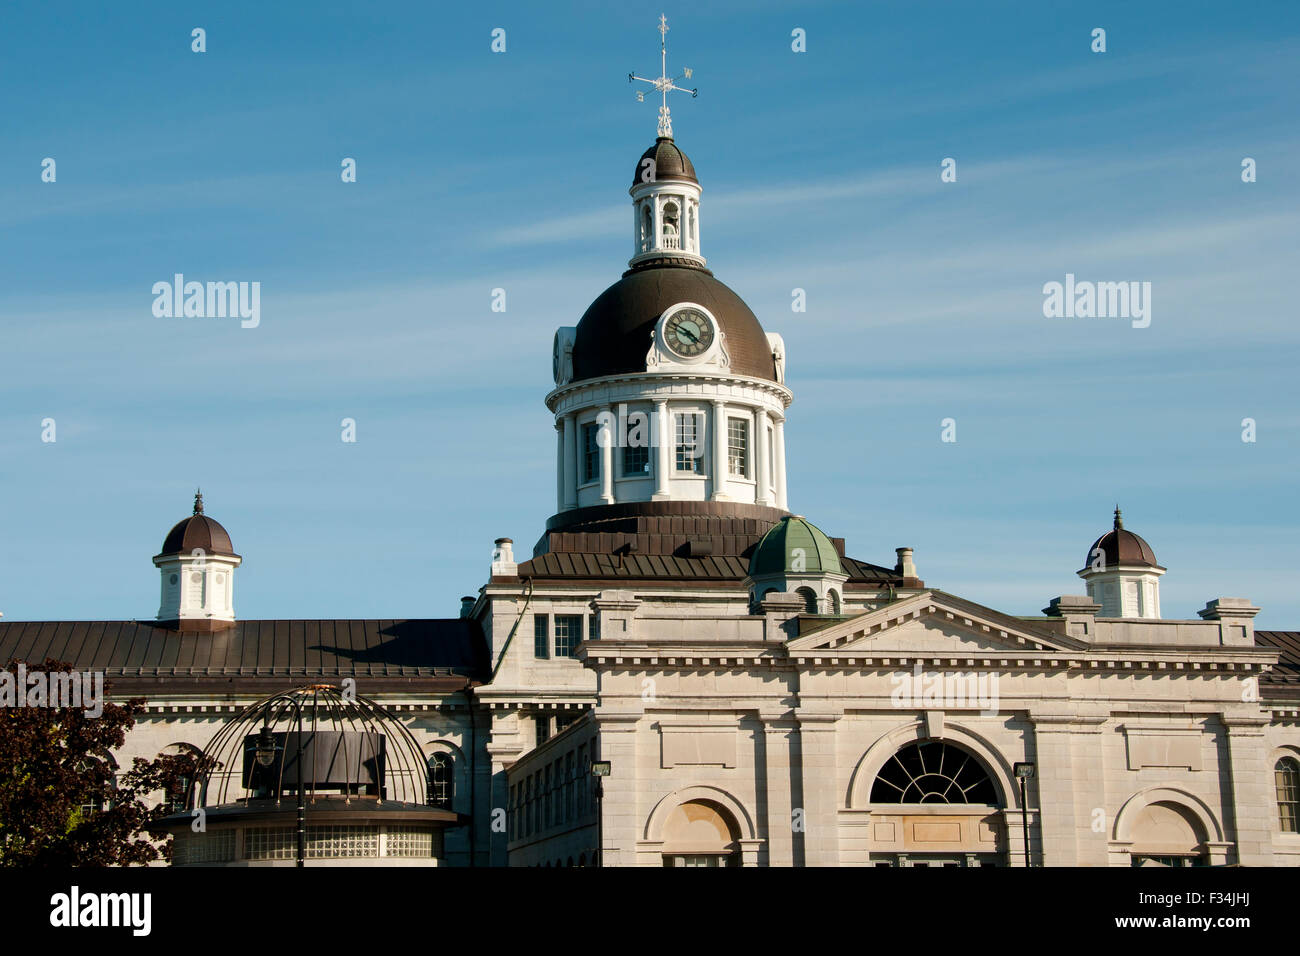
[[688, 332]]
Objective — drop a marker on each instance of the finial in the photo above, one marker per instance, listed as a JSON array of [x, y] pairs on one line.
[[662, 83], [1119, 521], [198, 501]]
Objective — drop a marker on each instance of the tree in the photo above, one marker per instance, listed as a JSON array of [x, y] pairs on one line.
[[62, 802]]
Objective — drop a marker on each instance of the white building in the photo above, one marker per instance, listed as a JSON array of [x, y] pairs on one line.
[[761, 697]]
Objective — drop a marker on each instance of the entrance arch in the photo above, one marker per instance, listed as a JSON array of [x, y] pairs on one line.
[[700, 826], [932, 801], [1161, 826]]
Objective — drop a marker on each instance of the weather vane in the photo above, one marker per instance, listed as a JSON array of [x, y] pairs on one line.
[[662, 83]]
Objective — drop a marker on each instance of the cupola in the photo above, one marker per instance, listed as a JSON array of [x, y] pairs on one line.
[[796, 556], [197, 563], [1122, 573]]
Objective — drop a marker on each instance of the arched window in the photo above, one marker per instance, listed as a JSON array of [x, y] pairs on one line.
[[97, 774], [582, 859], [1286, 776], [692, 240], [177, 796], [809, 599], [835, 600], [932, 771], [442, 780], [671, 228]]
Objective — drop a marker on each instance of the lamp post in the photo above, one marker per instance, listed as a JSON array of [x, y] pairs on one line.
[[1024, 770], [265, 754], [600, 768]]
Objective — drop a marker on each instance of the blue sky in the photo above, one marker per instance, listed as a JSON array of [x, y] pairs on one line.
[[479, 170]]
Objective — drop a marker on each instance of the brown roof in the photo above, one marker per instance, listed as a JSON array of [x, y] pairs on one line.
[[1288, 663], [669, 163], [135, 652], [197, 532], [666, 541], [1121, 547], [616, 331]]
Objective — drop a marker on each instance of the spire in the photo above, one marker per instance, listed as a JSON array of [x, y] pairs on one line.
[[198, 501], [1119, 521]]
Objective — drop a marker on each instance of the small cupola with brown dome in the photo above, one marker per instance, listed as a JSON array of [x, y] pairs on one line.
[[197, 563], [1122, 574]]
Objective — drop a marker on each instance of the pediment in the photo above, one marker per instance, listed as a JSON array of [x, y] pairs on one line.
[[932, 624]]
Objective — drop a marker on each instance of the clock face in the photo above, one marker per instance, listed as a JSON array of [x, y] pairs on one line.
[[688, 332]]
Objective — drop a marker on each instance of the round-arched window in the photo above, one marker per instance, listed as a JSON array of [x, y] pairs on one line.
[[809, 599], [442, 780], [1286, 776], [933, 771]]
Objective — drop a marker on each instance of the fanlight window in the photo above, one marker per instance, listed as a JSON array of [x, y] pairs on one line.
[[933, 772]]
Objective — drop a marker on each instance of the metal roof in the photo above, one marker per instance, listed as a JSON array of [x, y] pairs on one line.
[[453, 649]]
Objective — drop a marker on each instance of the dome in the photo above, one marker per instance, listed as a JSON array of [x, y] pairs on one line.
[[197, 531], [616, 331], [670, 163], [775, 553], [1120, 547]]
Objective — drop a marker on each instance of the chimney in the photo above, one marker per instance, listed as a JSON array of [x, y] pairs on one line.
[[905, 567], [466, 605], [503, 558]]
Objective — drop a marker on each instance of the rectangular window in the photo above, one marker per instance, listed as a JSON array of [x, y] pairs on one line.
[[541, 637], [568, 633], [590, 453], [689, 444], [543, 729], [593, 628], [636, 461], [738, 447]]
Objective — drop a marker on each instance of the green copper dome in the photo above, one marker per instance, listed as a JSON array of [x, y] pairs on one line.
[[794, 546]]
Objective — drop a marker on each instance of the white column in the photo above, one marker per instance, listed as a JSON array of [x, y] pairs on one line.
[[719, 450], [663, 451], [559, 466], [570, 462], [607, 457], [761, 496], [779, 435], [656, 242]]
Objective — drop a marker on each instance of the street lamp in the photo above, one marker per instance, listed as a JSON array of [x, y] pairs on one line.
[[265, 752], [600, 768], [266, 748], [1024, 770]]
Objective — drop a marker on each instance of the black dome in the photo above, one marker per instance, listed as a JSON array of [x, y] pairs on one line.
[[616, 332], [670, 163]]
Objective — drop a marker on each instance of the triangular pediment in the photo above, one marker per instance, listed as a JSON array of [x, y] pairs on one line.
[[933, 623]]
